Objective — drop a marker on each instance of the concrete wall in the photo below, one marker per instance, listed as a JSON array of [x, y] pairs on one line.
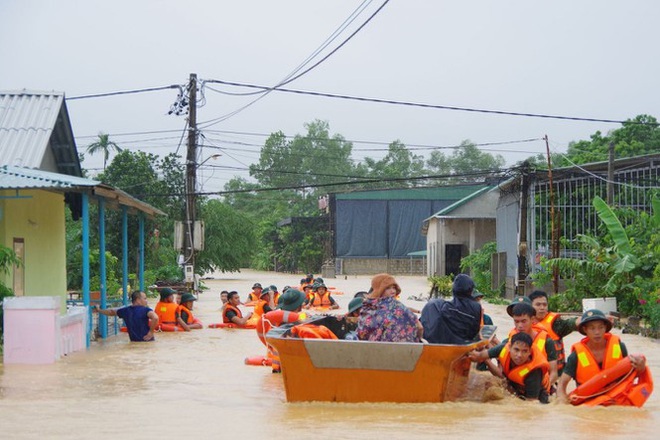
[[470, 233], [371, 266], [39, 220]]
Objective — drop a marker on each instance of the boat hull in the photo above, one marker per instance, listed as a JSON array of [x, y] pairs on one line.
[[363, 371]]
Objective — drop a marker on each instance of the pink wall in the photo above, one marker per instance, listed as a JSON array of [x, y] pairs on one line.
[[35, 333]]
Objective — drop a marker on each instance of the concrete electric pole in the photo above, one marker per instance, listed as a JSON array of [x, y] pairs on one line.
[[191, 184]]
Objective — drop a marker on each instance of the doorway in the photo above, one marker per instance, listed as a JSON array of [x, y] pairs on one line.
[[453, 254]]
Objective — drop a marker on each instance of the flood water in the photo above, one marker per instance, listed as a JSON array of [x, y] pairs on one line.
[[195, 385]]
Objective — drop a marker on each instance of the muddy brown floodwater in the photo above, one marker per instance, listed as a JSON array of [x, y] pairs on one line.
[[196, 386]]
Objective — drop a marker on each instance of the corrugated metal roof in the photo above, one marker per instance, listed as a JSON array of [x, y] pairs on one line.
[[26, 178], [436, 193], [27, 120], [12, 177]]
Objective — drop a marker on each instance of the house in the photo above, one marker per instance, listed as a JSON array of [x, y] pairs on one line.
[[459, 229], [40, 174], [379, 230], [525, 226]]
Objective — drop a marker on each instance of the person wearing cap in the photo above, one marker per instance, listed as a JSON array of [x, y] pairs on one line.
[[184, 314], [351, 317], [276, 293], [600, 350], [308, 290], [525, 368], [453, 322], [140, 320], [166, 308], [523, 314], [553, 323], [383, 318], [232, 314], [322, 298], [288, 311], [255, 294], [265, 304]]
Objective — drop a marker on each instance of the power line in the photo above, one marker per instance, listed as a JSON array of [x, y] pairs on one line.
[[135, 133], [347, 183], [288, 79], [122, 92], [431, 106]]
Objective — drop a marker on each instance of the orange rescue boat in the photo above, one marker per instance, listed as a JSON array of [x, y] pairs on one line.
[[362, 371]]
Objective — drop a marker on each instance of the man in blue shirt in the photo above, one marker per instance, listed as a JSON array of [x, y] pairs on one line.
[[140, 320]]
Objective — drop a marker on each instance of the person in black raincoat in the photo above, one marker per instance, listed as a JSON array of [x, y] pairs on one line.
[[453, 322]]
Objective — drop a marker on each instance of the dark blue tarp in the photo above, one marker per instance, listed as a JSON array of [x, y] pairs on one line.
[[382, 228]]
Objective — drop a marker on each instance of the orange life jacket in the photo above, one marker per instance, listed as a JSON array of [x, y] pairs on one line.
[[518, 373], [587, 367], [182, 308], [267, 321], [166, 312], [311, 331], [253, 296], [539, 340], [619, 385], [546, 324], [229, 307], [274, 318], [321, 300], [259, 307]]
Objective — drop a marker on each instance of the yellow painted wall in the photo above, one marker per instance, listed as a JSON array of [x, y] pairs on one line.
[[40, 222]]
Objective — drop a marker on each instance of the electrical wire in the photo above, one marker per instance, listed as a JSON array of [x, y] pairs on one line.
[[122, 92], [627, 185], [289, 79], [430, 106], [349, 183]]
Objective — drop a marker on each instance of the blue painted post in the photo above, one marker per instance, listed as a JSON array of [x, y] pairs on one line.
[[124, 260], [85, 265], [103, 320], [141, 217], [124, 248]]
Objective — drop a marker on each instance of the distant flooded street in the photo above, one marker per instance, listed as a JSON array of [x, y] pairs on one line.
[[195, 385]]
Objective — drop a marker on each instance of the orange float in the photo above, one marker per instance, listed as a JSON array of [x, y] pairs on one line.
[[615, 386], [259, 361], [232, 325]]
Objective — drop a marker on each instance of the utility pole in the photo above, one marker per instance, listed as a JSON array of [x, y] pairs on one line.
[[522, 245], [191, 183], [554, 226], [610, 176]]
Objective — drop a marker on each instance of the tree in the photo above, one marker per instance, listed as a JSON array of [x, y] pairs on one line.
[[306, 160], [467, 159], [636, 137], [399, 163], [229, 238], [103, 144]]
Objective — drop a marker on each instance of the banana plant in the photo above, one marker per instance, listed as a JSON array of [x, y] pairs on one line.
[[627, 261]]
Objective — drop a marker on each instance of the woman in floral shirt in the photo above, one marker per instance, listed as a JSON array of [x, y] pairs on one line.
[[383, 318]]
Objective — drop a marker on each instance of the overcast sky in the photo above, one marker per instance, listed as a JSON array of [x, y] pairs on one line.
[[589, 59]]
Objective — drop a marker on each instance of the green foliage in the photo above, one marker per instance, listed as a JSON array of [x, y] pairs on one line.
[[466, 159], [103, 145], [399, 162], [230, 238], [624, 263], [8, 259], [478, 265], [441, 286]]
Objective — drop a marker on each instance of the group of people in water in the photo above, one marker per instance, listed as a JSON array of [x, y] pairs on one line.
[[531, 359]]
